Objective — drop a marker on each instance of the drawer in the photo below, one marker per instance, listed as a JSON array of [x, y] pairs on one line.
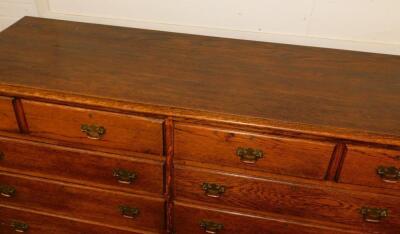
[[192, 219], [93, 129], [243, 150], [8, 120], [285, 198], [81, 166], [80, 202], [371, 167], [20, 220]]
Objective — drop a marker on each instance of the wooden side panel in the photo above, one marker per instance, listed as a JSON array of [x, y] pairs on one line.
[[281, 155], [83, 202], [122, 132], [79, 166], [8, 120], [286, 198], [188, 219], [361, 163], [41, 223]]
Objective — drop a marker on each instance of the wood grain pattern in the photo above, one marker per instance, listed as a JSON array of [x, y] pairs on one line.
[[188, 219], [271, 81], [8, 120], [20, 115], [281, 155], [263, 194], [123, 132], [82, 167], [83, 202], [361, 163], [40, 223], [169, 174]]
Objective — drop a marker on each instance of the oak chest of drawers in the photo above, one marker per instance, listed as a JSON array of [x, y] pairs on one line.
[[114, 130]]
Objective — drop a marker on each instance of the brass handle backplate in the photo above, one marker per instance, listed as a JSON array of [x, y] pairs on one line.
[[249, 155], [19, 226], [389, 174], [213, 190], [93, 131], [129, 212], [123, 176], [7, 191], [374, 215], [210, 226]]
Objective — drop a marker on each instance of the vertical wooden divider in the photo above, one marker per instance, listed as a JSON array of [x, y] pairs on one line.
[[169, 174], [336, 162], [20, 115]]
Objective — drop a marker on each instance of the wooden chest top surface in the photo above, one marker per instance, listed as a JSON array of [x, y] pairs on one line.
[[294, 84]]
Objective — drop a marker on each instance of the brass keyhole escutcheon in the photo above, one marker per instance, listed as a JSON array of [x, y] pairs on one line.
[[374, 215], [129, 212], [213, 190], [389, 174], [93, 131], [7, 191], [249, 155], [19, 226], [211, 227], [124, 176]]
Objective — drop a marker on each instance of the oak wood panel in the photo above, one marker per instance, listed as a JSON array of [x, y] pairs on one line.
[[123, 132], [287, 198], [40, 223], [293, 84], [361, 163], [8, 120], [83, 202], [281, 155], [80, 166], [188, 218]]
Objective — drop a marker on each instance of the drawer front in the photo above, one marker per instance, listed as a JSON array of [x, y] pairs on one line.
[[80, 166], [8, 120], [189, 219], [286, 198], [83, 203], [371, 167], [94, 129], [229, 148], [19, 220]]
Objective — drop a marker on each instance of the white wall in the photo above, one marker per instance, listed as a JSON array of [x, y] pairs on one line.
[[365, 25], [12, 10]]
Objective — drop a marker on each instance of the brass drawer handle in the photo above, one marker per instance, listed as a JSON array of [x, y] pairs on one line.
[[123, 176], [213, 190], [374, 215], [249, 155], [7, 191], [210, 226], [93, 131], [129, 212], [389, 174], [19, 226]]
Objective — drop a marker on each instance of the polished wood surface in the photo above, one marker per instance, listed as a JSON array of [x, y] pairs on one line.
[[189, 217], [78, 166], [280, 155], [39, 223], [82, 202], [286, 198], [322, 87], [361, 164], [7, 117], [294, 135], [122, 132]]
